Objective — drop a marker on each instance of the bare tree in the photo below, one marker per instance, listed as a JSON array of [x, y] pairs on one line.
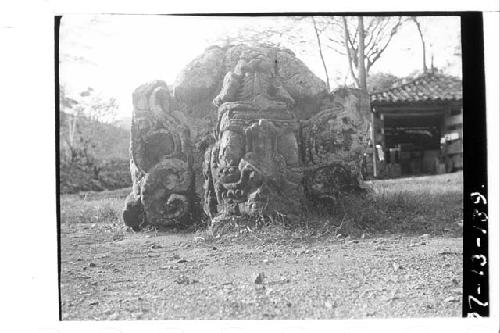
[[320, 49], [68, 105], [362, 40], [419, 28], [361, 56]]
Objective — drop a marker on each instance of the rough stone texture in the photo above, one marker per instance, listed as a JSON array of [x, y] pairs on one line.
[[198, 81], [335, 142], [252, 169], [340, 133], [202, 80], [268, 137], [161, 162], [265, 160], [329, 184]]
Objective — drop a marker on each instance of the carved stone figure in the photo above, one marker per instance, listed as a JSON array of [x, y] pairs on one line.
[[253, 169], [160, 162]]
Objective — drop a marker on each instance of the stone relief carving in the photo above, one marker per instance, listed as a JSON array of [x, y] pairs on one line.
[[161, 162], [262, 159], [254, 164]]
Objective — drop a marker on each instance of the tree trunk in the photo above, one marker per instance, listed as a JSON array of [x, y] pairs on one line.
[[361, 56], [72, 128], [349, 50], [424, 62], [321, 53]]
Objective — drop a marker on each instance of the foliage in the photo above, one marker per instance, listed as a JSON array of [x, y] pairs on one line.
[[107, 175], [380, 81]]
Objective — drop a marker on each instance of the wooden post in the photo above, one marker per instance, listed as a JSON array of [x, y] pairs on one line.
[[374, 144]]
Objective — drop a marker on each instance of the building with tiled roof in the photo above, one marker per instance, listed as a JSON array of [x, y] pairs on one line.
[[427, 88], [417, 126]]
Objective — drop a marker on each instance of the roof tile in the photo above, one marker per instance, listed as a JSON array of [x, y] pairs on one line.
[[425, 88]]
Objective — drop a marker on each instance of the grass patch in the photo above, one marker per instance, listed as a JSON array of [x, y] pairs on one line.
[[432, 204], [77, 210]]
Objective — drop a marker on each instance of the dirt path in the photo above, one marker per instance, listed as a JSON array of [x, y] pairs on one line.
[[105, 275]]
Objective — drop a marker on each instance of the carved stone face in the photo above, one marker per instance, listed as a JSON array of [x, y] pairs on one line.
[[249, 170], [253, 187], [249, 164]]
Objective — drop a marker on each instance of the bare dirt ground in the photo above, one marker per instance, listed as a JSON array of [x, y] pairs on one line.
[[110, 273]]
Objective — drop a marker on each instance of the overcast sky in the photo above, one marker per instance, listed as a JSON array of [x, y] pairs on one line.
[[116, 53]]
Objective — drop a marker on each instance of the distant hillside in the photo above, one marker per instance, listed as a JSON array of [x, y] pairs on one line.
[[107, 145], [111, 141]]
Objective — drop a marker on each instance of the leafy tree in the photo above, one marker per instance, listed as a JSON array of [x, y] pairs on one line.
[[380, 81]]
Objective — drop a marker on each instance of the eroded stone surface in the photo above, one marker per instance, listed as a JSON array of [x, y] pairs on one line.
[[253, 168], [265, 160], [161, 162], [335, 141], [203, 78], [340, 133]]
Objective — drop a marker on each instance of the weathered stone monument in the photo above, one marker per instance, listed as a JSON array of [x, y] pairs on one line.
[[335, 142], [270, 137], [265, 159], [160, 162]]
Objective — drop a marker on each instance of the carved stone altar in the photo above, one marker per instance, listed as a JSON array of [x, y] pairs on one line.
[[277, 142], [160, 162]]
